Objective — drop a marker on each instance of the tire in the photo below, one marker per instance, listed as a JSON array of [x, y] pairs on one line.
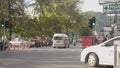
[[92, 60]]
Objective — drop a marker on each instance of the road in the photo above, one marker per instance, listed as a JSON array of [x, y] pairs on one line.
[[45, 57]]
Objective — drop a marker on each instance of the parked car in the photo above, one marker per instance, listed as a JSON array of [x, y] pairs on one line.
[[18, 42], [101, 54], [32, 43]]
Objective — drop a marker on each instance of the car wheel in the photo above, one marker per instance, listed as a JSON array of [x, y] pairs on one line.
[[93, 60]]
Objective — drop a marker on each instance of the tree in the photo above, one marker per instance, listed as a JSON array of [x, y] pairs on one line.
[[52, 16], [14, 12], [62, 11]]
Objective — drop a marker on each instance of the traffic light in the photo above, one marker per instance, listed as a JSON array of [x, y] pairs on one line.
[[92, 22], [6, 24], [2, 22]]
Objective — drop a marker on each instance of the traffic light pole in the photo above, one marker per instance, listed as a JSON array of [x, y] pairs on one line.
[[92, 24], [4, 34], [9, 8], [3, 21]]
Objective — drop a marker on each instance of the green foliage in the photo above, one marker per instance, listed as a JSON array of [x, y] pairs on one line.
[[85, 31], [51, 16]]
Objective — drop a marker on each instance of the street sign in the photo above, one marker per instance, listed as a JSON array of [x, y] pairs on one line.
[[70, 34], [107, 28], [111, 8], [118, 23], [101, 2], [114, 6]]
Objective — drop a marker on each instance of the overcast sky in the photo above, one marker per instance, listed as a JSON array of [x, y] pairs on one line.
[[91, 5], [88, 5]]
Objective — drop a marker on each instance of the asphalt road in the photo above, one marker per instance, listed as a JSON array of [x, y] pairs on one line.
[[45, 57]]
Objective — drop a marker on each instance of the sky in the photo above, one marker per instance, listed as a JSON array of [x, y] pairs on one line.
[[88, 5], [91, 5]]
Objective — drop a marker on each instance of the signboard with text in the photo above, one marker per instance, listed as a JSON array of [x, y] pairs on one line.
[[70, 34], [108, 1], [111, 8]]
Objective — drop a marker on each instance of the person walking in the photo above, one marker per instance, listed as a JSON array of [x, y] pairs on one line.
[[95, 41], [104, 39], [100, 39], [74, 42], [66, 42]]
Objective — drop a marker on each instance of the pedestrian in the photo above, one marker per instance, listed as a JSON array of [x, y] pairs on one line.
[[107, 37], [100, 39], [95, 41], [104, 39], [74, 42], [66, 42]]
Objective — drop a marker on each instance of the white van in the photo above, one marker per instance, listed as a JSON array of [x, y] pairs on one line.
[[60, 40]]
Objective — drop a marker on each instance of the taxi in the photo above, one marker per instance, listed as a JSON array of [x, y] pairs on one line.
[[101, 54]]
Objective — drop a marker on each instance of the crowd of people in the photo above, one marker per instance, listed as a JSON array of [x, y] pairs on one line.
[[38, 42], [100, 39]]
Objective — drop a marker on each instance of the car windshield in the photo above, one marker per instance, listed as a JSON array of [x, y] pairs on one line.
[[111, 42]]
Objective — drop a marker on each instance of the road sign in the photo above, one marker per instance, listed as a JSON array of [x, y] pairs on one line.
[[70, 34], [114, 6], [118, 23], [111, 8], [101, 2]]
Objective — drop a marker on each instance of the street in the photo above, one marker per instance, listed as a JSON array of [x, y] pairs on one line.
[[45, 57], [37, 33]]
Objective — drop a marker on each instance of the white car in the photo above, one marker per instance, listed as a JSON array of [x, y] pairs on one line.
[[18, 42], [101, 54]]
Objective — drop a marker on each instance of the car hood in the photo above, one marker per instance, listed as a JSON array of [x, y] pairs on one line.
[[92, 47]]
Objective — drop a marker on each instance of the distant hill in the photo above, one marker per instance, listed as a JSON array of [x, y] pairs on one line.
[[103, 20]]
